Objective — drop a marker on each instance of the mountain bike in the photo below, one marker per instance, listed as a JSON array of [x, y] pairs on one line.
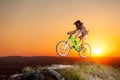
[[63, 47]]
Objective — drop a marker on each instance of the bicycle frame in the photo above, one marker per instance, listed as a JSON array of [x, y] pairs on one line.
[[73, 39], [67, 43]]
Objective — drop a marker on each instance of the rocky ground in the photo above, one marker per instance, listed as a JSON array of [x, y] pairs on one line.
[[43, 73], [79, 71]]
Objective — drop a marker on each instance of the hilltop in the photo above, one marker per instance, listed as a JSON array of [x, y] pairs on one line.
[[78, 71]]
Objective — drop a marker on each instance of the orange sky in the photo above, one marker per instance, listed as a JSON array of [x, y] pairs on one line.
[[33, 27]]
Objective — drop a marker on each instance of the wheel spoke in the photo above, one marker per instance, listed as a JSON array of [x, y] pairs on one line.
[[85, 51], [62, 49]]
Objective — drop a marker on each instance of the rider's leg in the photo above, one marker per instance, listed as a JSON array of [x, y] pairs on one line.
[[83, 39]]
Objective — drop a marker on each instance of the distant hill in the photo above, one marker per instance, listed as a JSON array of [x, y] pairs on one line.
[[14, 64]]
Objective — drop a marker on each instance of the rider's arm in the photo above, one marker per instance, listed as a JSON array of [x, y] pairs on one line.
[[78, 34], [73, 32]]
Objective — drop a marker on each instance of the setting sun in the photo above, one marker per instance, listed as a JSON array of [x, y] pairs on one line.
[[97, 50]]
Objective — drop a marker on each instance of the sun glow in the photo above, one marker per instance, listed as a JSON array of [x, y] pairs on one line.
[[97, 51]]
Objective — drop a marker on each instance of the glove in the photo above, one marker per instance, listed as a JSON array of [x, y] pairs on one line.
[[68, 33]]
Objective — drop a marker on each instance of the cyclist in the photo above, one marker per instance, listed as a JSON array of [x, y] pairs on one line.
[[80, 31]]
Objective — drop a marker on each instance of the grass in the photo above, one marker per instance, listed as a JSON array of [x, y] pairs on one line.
[[83, 71], [70, 74], [91, 71]]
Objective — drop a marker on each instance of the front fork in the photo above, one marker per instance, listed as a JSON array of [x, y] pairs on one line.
[[66, 44]]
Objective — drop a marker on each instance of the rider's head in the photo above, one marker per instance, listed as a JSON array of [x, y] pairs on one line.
[[78, 24]]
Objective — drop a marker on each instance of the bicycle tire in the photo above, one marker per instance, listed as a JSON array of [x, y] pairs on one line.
[[84, 50], [58, 51]]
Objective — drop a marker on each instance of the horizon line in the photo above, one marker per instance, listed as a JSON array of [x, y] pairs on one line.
[[60, 56]]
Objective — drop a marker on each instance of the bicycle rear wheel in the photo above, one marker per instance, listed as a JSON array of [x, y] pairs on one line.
[[85, 51], [62, 48]]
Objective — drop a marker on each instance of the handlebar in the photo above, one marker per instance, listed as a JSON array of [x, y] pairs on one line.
[[72, 34]]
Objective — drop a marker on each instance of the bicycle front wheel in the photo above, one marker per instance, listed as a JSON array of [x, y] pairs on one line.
[[85, 51], [62, 48]]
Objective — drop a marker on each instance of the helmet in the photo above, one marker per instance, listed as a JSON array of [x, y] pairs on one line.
[[78, 23]]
